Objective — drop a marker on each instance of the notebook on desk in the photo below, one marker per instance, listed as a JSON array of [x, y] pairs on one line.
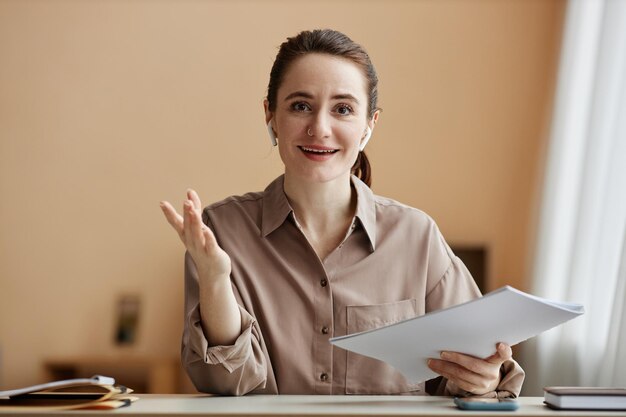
[[585, 398]]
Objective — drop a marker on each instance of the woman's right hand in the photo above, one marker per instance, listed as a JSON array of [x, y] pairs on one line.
[[221, 319], [211, 261]]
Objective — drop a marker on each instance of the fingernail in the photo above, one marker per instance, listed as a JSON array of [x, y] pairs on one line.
[[444, 355]]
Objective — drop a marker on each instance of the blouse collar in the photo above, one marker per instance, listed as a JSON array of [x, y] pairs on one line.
[[276, 208]]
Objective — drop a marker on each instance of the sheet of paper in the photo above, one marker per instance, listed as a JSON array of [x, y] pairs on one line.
[[66, 383], [505, 315]]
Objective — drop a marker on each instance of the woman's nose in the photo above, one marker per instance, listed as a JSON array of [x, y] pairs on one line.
[[320, 126]]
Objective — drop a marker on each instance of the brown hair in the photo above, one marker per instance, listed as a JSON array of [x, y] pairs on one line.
[[331, 42]]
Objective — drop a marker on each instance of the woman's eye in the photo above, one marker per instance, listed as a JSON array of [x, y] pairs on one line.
[[300, 106], [344, 110]]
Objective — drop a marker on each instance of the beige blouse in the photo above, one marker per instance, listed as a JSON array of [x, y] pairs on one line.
[[393, 264]]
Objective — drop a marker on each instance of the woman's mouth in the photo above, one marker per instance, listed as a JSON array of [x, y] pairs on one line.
[[318, 154], [320, 151]]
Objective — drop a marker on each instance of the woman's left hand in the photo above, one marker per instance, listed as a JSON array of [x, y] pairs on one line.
[[474, 375]]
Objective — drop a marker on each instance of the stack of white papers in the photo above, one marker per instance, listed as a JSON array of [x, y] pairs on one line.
[[506, 315]]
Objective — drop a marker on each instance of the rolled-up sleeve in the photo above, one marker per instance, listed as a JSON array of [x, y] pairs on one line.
[[229, 370]]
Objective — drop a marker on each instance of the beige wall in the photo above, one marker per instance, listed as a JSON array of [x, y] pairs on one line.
[[107, 107]]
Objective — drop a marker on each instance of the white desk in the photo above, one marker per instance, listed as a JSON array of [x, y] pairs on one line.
[[310, 406]]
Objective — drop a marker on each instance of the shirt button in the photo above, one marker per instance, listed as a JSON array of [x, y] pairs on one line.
[[323, 282], [324, 377], [324, 330]]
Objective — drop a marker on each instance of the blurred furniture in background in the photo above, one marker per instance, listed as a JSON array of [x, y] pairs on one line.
[[475, 259], [143, 374]]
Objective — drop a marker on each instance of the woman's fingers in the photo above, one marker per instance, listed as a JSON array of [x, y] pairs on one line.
[[189, 226], [195, 199], [503, 353], [454, 371], [190, 230], [464, 378], [173, 218], [195, 225], [472, 374], [211, 260], [470, 363]]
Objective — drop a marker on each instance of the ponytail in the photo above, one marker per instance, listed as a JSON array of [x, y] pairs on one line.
[[362, 169]]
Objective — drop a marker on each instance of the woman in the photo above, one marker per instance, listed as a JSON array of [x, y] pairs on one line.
[[271, 276]]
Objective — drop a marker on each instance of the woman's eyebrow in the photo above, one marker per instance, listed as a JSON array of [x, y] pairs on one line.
[[304, 94], [345, 97]]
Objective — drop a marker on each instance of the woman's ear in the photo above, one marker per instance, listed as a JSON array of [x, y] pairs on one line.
[[268, 114], [268, 120], [368, 131], [373, 120]]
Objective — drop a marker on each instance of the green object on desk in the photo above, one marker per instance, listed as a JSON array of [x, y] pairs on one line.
[[486, 404]]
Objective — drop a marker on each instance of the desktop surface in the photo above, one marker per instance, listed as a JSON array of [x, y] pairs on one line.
[[309, 406]]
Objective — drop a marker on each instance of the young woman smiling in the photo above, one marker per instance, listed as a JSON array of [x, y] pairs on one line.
[[270, 276]]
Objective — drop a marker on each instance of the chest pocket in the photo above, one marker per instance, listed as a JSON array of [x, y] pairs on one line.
[[366, 375]]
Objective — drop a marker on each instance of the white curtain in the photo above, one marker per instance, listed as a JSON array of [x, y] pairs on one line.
[[581, 239]]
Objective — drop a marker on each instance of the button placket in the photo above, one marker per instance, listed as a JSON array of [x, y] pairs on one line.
[[323, 327]]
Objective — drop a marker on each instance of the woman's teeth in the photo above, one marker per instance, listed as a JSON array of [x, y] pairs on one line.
[[305, 149]]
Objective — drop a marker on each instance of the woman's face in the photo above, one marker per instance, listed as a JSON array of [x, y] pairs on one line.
[[320, 117]]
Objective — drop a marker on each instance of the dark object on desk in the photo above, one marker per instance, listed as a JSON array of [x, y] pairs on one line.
[[95, 393], [585, 398], [486, 404]]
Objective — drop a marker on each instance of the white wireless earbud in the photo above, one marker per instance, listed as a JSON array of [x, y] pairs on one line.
[[366, 138], [273, 138]]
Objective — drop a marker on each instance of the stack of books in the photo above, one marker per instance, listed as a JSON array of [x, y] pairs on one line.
[[95, 393], [585, 398]]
